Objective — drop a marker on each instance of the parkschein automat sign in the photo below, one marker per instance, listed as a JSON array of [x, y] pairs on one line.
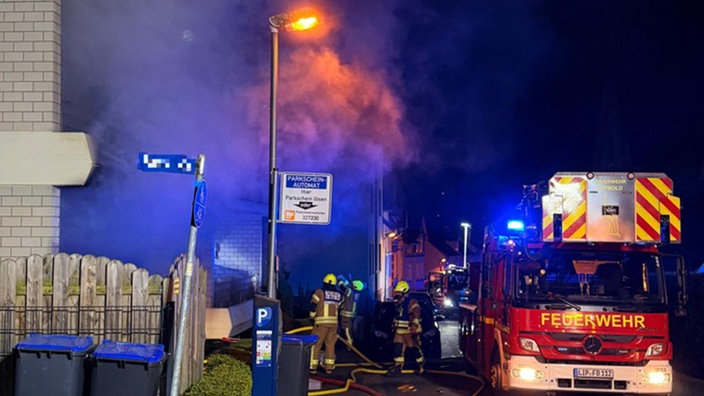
[[305, 198]]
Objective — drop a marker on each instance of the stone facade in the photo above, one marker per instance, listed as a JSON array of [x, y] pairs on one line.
[[30, 85]]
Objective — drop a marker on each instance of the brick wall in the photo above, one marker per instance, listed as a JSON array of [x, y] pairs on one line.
[[30, 85], [28, 220], [239, 245], [238, 255], [30, 68]]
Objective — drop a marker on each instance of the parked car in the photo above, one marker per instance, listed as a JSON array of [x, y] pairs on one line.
[[380, 346]]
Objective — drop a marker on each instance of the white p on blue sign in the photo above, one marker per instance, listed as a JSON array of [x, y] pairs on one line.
[[264, 316]]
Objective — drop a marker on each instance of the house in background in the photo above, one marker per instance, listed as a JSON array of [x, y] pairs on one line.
[[411, 254]]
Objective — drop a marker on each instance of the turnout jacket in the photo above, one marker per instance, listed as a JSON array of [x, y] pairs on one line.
[[407, 317], [325, 304]]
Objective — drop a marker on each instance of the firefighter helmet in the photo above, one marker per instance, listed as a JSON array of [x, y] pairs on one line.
[[401, 287], [357, 285], [330, 279], [342, 281]]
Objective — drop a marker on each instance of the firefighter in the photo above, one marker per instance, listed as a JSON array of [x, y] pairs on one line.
[[348, 309], [407, 328], [324, 307], [342, 285]]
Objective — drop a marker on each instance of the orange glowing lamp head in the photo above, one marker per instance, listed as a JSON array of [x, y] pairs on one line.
[[303, 19], [304, 23]]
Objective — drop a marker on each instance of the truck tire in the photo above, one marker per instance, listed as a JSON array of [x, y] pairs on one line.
[[495, 374]]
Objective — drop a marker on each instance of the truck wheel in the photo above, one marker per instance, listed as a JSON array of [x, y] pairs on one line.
[[495, 374]]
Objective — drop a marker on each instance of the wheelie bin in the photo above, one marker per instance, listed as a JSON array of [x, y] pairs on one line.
[[122, 368], [51, 363], [294, 360]]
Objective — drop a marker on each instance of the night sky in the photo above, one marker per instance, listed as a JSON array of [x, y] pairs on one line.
[[462, 101]]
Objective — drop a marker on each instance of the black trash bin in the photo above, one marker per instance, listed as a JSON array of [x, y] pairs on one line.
[[123, 368], [294, 360], [51, 363]]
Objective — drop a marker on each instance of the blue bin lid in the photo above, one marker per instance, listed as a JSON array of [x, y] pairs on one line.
[[56, 342], [299, 339], [112, 350]]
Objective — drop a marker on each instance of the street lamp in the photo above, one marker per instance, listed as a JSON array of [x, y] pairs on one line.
[[302, 19], [467, 226]]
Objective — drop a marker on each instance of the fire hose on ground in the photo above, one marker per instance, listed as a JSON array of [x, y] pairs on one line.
[[351, 381]]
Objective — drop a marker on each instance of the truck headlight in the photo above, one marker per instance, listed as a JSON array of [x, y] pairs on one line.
[[655, 350], [528, 344], [657, 377], [527, 373]]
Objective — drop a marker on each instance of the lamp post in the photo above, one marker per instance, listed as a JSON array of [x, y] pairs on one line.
[[467, 226], [303, 19]]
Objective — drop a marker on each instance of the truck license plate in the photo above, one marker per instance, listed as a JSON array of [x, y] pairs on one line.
[[593, 373]]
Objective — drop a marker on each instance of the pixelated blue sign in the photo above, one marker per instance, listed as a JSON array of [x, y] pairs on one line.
[[174, 163], [199, 199]]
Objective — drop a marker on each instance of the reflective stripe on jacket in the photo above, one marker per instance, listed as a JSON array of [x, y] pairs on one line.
[[349, 304], [327, 304], [407, 316]]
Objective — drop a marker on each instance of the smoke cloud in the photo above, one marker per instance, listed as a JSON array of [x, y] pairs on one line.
[[178, 77], [469, 99]]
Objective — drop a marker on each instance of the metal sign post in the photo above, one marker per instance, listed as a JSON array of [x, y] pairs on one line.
[[181, 164]]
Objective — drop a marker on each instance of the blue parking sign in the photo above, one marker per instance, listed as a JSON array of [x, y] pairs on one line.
[[199, 199]]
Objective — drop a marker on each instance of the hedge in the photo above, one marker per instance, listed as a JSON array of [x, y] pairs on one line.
[[224, 376]]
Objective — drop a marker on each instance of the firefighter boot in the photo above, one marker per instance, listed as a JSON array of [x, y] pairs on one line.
[[420, 360], [313, 368], [329, 365]]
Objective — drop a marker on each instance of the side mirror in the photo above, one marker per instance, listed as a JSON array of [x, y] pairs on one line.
[[682, 297]]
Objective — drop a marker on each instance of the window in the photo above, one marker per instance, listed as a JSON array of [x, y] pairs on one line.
[[592, 277]]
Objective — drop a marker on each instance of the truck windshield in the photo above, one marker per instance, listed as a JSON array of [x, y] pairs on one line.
[[583, 277]]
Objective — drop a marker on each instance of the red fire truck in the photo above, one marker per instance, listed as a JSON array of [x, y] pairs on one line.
[[448, 288], [573, 298]]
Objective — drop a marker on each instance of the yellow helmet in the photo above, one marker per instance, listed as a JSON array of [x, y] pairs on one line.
[[401, 287], [330, 279]]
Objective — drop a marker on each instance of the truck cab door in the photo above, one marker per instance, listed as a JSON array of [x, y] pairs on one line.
[[491, 306]]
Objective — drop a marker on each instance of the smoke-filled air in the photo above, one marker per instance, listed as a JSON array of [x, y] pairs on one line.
[[180, 77], [464, 101]]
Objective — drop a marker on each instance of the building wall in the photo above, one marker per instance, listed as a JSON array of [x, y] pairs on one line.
[[239, 243], [29, 222], [238, 255], [30, 85], [30, 72]]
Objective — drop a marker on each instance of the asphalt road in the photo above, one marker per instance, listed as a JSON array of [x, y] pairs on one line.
[[447, 377]]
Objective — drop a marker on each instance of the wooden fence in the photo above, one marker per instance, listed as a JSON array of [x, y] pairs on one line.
[[97, 297]]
